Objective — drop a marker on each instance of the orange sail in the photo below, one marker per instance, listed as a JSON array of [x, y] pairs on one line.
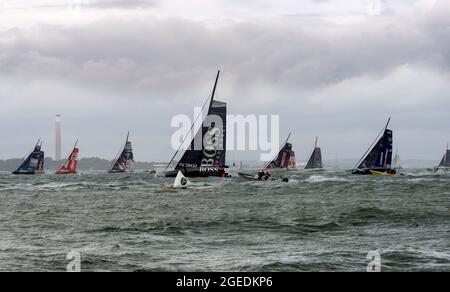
[[70, 167]]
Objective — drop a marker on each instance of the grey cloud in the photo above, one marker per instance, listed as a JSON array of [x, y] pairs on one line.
[[119, 75], [123, 3], [151, 55]]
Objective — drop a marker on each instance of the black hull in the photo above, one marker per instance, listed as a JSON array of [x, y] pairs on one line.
[[23, 173], [247, 176], [198, 172], [369, 171], [251, 177]]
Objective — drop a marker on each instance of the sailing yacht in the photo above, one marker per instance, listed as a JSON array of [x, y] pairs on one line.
[[70, 165], [206, 155], [315, 160], [445, 162], [378, 159], [124, 161], [281, 162], [34, 163]]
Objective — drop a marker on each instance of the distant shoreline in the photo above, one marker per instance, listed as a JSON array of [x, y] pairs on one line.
[[99, 164], [84, 164]]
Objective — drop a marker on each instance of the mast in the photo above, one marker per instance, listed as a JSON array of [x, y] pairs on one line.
[[211, 99], [388, 122], [214, 89], [315, 145], [289, 137]]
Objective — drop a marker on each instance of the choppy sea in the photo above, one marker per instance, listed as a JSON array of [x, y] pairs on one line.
[[318, 221]]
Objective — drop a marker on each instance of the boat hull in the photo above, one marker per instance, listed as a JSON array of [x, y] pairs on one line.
[[24, 173], [65, 172], [248, 176], [118, 171], [277, 170], [314, 169], [385, 172], [198, 172]]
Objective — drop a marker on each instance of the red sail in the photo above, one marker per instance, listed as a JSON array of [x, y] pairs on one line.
[[71, 165], [292, 161]]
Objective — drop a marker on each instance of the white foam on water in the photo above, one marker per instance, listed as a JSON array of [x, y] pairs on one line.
[[319, 179]]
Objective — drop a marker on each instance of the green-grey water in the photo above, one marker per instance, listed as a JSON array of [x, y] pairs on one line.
[[319, 221]]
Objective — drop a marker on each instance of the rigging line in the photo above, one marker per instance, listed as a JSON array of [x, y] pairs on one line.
[[211, 98], [188, 134]]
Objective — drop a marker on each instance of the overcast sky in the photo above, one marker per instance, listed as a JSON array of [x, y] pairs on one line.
[[336, 69]]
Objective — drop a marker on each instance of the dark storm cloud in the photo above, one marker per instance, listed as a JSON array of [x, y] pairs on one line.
[[342, 76], [153, 54]]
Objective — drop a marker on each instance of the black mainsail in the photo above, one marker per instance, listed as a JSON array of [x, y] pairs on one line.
[[378, 159], [124, 161], [283, 157], [315, 160], [206, 155], [445, 162]]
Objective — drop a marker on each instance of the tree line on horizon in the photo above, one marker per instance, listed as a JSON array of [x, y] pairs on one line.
[[92, 163]]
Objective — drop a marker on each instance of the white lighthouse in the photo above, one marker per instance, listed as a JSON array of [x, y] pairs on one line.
[[58, 138]]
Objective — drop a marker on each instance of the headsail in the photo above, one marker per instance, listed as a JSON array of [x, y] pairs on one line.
[[315, 160], [206, 155], [379, 158], [70, 166], [125, 160], [283, 157], [33, 162]]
